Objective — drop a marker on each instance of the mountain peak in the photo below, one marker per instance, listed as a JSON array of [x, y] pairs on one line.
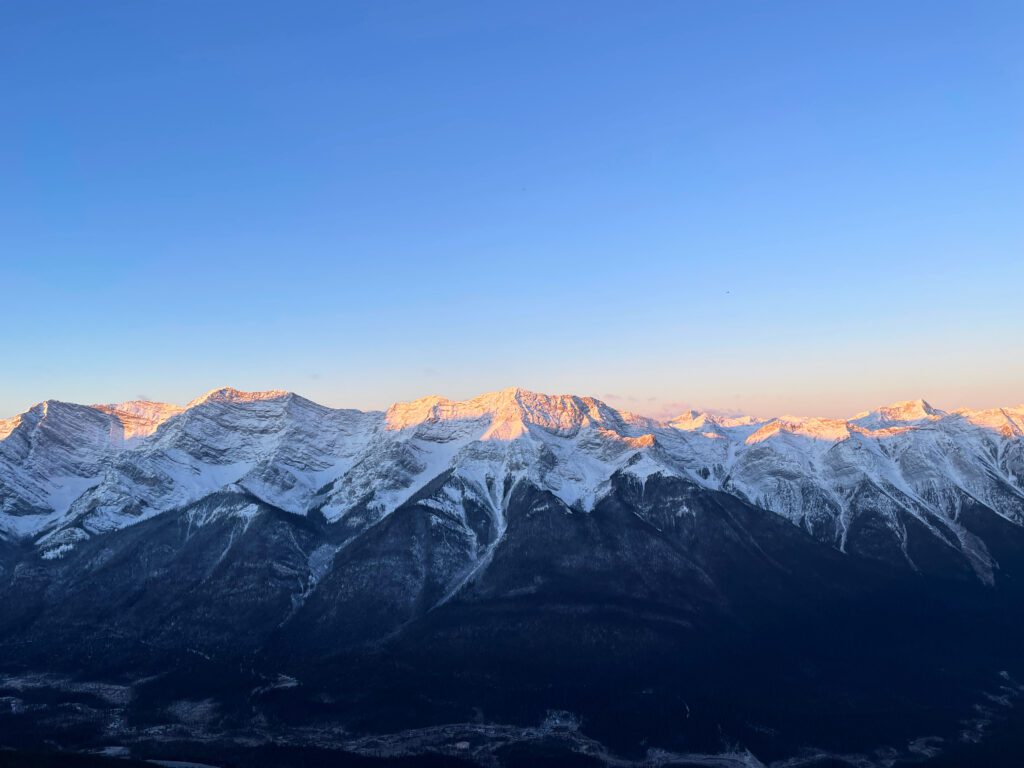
[[919, 405], [691, 420], [139, 418], [232, 395], [900, 412], [510, 412]]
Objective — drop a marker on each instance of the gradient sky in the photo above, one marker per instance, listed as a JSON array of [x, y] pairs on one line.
[[772, 207]]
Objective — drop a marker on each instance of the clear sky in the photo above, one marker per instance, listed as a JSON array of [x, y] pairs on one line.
[[772, 207]]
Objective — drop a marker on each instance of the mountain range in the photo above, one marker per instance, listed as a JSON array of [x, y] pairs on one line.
[[890, 483], [254, 578]]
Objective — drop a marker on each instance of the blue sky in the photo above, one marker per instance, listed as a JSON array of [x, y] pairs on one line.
[[770, 207]]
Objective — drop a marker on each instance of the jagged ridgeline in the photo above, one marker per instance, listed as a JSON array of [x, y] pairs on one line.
[[508, 578]]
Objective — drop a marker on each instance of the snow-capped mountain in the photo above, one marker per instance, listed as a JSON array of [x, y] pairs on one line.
[[889, 483], [256, 569]]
